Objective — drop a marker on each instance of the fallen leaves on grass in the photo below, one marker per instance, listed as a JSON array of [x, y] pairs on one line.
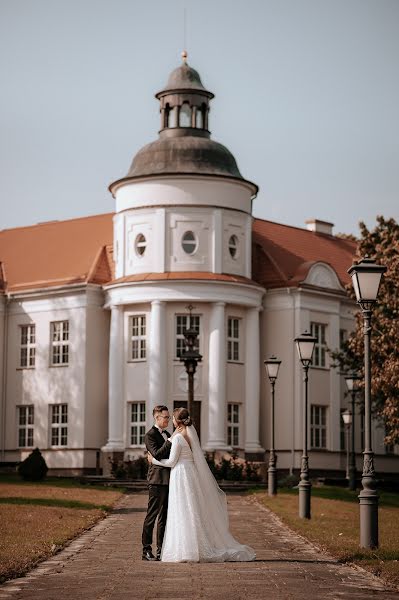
[[31, 533], [36, 520], [334, 527]]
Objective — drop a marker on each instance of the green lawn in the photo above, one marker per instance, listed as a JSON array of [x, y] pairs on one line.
[[61, 482]]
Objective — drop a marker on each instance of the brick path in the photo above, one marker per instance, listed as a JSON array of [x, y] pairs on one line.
[[105, 564]]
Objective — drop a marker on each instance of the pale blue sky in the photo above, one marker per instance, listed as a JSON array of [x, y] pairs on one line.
[[307, 99]]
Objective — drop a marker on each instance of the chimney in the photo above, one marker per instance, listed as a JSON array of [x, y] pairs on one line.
[[319, 226]]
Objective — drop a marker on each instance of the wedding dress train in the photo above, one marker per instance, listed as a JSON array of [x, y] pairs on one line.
[[197, 527]]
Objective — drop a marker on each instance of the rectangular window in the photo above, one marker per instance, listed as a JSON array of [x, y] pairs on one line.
[[138, 337], [388, 448], [28, 346], [233, 339], [25, 426], [59, 424], [183, 323], [137, 423], [318, 330], [318, 426], [343, 336], [233, 425], [60, 343]]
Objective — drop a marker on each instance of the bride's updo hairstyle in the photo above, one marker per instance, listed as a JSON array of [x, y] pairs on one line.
[[182, 417]]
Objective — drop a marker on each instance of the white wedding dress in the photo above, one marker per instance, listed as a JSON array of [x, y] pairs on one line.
[[197, 527]]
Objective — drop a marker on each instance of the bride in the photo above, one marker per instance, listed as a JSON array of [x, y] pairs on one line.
[[197, 527]]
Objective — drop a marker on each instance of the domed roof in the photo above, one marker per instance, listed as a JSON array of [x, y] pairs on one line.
[[183, 155], [184, 149], [184, 78]]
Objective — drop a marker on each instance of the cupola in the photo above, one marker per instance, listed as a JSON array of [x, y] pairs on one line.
[[184, 146], [184, 103]]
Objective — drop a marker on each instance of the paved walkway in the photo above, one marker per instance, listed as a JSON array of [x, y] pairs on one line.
[[105, 564]]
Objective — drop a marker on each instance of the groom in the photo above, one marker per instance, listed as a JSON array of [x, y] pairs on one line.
[[157, 444]]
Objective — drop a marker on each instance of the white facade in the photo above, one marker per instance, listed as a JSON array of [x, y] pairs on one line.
[[179, 239]]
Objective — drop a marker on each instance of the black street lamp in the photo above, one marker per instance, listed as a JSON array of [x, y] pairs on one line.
[[191, 357], [272, 366], [352, 383], [366, 278], [305, 345], [347, 419]]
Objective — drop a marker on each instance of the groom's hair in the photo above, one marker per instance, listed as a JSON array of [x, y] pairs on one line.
[[158, 409]]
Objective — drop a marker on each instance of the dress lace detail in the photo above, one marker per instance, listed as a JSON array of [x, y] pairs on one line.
[[197, 525]]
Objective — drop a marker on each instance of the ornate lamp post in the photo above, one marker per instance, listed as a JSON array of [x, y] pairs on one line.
[[272, 366], [305, 345], [352, 382], [190, 357], [366, 278], [347, 419]]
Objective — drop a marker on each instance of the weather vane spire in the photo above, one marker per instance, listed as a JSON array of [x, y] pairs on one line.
[[184, 54]]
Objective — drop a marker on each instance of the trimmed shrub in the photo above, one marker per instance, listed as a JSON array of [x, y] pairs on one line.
[[233, 469], [129, 469], [34, 467]]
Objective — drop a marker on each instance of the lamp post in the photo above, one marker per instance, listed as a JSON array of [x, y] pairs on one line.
[[272, 366], [366, 278], [305, 345], [352, 382], [347, 419], [190, 357]]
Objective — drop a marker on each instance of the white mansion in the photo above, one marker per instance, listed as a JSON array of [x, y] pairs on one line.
[[92, 312]]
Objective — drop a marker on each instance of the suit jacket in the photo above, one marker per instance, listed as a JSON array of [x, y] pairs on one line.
[[159, 448]]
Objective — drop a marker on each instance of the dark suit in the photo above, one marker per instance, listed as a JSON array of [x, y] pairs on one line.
[[158, 488]]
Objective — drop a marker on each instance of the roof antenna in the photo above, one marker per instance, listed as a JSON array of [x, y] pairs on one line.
[[184, 54]]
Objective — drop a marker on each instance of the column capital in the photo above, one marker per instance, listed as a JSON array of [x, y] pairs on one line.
[[158, 302], [115, 307], [258, 308], [220, 304]]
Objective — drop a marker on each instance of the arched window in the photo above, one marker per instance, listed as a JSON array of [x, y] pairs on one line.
[[189, 242], [233, 246], [198, 118], [172, 120], [140, 244], [185, 115], [166, 116]]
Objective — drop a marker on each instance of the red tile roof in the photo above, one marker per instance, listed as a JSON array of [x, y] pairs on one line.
[[283, 255], [60, 253], [57, 253]]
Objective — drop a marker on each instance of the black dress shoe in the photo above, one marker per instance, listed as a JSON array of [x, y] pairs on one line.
[[159, 550], [148, 555]]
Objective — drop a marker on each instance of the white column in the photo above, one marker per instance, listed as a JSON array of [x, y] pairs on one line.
[[217, 379], [115, 382], [252, 382], [157, 393]]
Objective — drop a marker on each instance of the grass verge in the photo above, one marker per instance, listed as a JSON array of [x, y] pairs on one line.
[[49, 514], [334, 527]]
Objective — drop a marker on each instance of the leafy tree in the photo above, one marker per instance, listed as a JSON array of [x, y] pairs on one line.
[[382, 244]]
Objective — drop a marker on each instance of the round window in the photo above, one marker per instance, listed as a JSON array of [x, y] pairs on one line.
[[140, 244], [233, 246], [189, 242]]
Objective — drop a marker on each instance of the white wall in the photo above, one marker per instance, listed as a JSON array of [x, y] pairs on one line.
[[81, 384], [185, 191], [163, 230]]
